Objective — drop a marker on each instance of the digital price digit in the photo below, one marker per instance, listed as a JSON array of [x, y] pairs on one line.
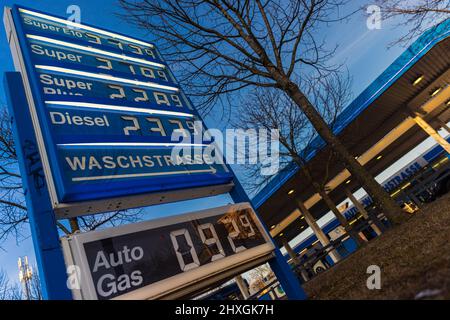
[[193, 127], [148, 73], [143, 97], [163, 75], [233, 234], [210, 238], [136, 49], [120, 95], [180, 127], [116, 43], [93, 38], [180, 254], [143, 71], [159, 128], [245, 222], [177, 100], [131, 67], [107, 64], [150, 53], [134, 127], [214, 240]]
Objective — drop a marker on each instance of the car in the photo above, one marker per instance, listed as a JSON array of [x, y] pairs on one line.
[[442, 184]]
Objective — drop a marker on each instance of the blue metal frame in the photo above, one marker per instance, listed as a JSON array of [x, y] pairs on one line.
[[37, 95], [50, 261]]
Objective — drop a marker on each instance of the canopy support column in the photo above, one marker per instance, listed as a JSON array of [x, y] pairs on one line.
[[294, 258], [362, 210], [334, 255], [431, 132]]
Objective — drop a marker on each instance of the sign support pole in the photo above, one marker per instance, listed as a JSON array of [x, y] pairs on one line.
[[49, 256], [279, 265]]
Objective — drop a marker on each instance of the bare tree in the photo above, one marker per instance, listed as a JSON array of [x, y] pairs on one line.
[[4, 285], [223, 47], [12, 202], [273, 110], [13, 210], [14, 291], [8, 290], [418, 15]]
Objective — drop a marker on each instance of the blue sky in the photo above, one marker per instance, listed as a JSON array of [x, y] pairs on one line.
[[364, 52]]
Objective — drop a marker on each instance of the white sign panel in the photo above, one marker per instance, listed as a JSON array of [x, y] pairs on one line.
[[170, 257]]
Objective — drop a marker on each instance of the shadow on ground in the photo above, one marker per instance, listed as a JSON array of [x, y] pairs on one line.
[[414, 259]]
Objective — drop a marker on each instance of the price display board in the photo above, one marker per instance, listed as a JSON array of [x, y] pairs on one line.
[[171, 257], [105, 107]]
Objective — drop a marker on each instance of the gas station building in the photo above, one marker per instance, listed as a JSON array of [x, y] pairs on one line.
[[408, 103]]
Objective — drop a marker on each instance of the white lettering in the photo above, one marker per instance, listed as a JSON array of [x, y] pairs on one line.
[[55, 54]]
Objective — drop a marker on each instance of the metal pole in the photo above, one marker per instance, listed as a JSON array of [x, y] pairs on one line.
[[242, 286], [50, 261]]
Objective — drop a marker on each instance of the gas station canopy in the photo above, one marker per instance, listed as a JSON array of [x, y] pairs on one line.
[[377, 128]]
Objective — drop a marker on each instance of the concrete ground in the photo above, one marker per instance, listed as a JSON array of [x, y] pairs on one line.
[[414, 259]]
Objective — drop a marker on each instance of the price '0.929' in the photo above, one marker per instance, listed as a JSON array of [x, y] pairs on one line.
[[210, 238]]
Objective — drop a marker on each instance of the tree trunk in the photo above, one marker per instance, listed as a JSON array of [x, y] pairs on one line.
[[364, 212], [331, 205], [290, 251], [342, 220], [380, 197], [74, 226]]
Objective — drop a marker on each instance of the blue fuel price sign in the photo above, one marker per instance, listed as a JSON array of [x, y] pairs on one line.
[[104, 108]]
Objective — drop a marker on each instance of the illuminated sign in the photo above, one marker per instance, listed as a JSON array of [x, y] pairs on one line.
[[104, 108], [171, 257]]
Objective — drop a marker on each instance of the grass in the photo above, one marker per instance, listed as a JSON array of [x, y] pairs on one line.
[[414, 259]]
